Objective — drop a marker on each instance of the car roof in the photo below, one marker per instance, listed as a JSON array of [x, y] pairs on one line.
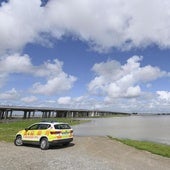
[[51, 122]]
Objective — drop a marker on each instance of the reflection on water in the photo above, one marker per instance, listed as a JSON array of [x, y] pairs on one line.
[[150, 128]]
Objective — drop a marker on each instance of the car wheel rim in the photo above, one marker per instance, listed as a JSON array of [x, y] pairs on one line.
[[43, 144], [19, 141]]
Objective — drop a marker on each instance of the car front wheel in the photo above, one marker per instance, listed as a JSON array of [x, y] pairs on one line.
[[18, 141], [44, 144]]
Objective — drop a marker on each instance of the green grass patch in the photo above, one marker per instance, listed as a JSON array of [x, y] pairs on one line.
[[155, 148], [8, 130]]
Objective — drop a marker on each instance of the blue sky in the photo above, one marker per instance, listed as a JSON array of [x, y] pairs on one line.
[[111, 55]]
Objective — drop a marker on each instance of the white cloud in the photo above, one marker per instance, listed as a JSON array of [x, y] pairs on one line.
[[64, 100], [113, 23], [20, 23], [81, 102], [49, 69], [55, 85], [146, 103], [15, 64], [113, 90], [55, 80], [164, 95], [133, 91], [9, 95], [115, 80], [103, 24], [30, 99]]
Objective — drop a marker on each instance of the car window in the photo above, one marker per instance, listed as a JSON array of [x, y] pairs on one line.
[[62, 126], [44, 126], [33, 127]]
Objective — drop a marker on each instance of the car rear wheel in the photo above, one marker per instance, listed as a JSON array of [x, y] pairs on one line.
[[18, 141], [44, 144]]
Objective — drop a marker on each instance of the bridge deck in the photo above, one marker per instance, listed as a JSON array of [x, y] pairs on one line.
[[6, 112]]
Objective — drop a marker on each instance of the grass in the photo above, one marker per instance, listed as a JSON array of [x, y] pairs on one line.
[[155, 148], [9, 129]]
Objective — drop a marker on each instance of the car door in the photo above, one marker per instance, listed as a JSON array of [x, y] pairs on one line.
[[30, 133], [43, 130]]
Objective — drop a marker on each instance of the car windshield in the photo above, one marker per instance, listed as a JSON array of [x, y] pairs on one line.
[[62, 126]]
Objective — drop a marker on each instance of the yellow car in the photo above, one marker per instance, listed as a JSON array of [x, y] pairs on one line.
[[45, 134]]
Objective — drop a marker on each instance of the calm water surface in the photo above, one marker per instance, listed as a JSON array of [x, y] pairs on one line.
[[150, 128]]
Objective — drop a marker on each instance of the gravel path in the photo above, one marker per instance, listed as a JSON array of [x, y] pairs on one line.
[[85, 153]]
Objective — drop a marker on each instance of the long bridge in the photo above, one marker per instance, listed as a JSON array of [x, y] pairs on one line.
[[6, 112]]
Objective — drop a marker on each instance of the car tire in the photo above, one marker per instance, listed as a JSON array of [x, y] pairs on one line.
[[44, 144], [66, 144], [18, 141]]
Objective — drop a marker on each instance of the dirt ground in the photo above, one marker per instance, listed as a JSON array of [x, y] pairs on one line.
[[85, 153]]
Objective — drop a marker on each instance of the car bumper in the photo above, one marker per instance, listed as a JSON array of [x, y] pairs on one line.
[[61, 141]]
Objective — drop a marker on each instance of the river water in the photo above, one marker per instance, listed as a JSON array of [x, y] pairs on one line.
[[148, 128]]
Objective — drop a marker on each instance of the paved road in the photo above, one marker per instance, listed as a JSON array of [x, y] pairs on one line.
[[85, 153]]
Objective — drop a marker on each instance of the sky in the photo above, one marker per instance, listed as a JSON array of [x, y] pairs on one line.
[[111, 55]]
